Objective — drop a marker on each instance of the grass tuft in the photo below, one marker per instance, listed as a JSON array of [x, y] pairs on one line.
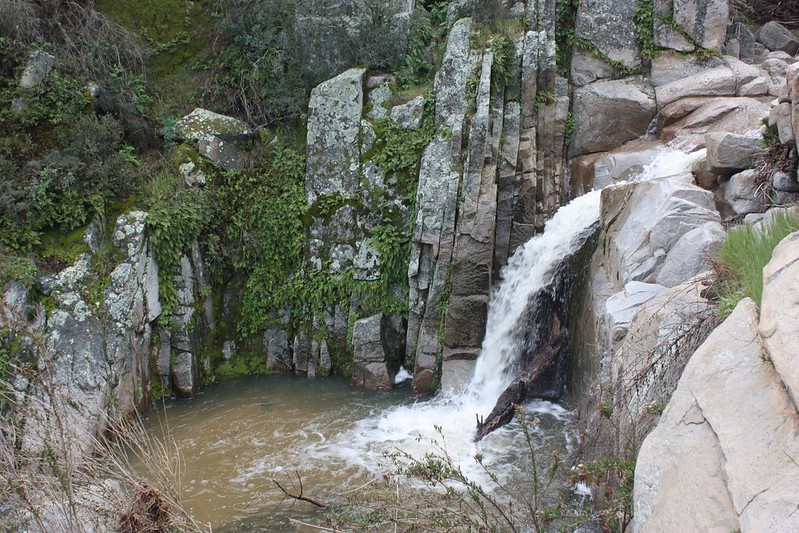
[[743, 255]]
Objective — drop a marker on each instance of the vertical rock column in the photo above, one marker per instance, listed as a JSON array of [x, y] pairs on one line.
[[472, 262], [337, 186], [436, 208]]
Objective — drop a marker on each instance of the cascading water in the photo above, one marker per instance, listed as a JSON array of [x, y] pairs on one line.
[[244, 434], [452, 413]]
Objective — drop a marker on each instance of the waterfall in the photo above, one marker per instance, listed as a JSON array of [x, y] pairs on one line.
[[451, 414], [531, 268]]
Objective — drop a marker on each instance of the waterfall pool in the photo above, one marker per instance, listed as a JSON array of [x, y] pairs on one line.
[[239, 435]]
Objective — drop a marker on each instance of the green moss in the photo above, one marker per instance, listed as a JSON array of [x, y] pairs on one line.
[[63, 248], [175, 30]]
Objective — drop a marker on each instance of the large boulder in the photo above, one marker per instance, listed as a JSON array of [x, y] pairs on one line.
[[728, 153], [214, 136], [668, 66], [775, 36], [690, 119], [644, 221], [779, 322], [697, 471], [204, 125], [609, 113], [718, 81]]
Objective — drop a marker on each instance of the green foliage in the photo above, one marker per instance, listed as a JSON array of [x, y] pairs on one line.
[[569, 131], [644, 19], [242, 364], [18, 268], [177, 216], [398, 152], [566, 12], [504, 52], [59, 165], [740, 260], [426, 40], [172, 29], [259, 232]]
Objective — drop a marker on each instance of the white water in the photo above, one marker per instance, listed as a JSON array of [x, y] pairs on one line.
[[449, 420]]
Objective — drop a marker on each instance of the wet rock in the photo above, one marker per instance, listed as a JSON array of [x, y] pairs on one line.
[[775, 36], [278, 354], [609, 113], [377, 353], [728, 153], [645, 221], [184, 373], [36, 70]]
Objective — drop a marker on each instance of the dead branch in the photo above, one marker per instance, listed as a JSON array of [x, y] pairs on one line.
[[299, 496]]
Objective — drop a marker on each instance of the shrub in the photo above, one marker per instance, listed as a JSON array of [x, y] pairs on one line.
[[743, 255], [762, 11]]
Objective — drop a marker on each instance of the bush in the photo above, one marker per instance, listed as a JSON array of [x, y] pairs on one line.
[[762, 11], [743, 255]]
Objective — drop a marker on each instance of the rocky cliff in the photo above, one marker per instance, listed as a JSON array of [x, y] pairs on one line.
[[413, 203]]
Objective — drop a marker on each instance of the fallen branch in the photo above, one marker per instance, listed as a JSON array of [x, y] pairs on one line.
[[299, 496]]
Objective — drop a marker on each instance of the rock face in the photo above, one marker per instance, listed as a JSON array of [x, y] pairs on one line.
[[95, 365], [378, 349], [644, 312], [95, 347], [695, 471]]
